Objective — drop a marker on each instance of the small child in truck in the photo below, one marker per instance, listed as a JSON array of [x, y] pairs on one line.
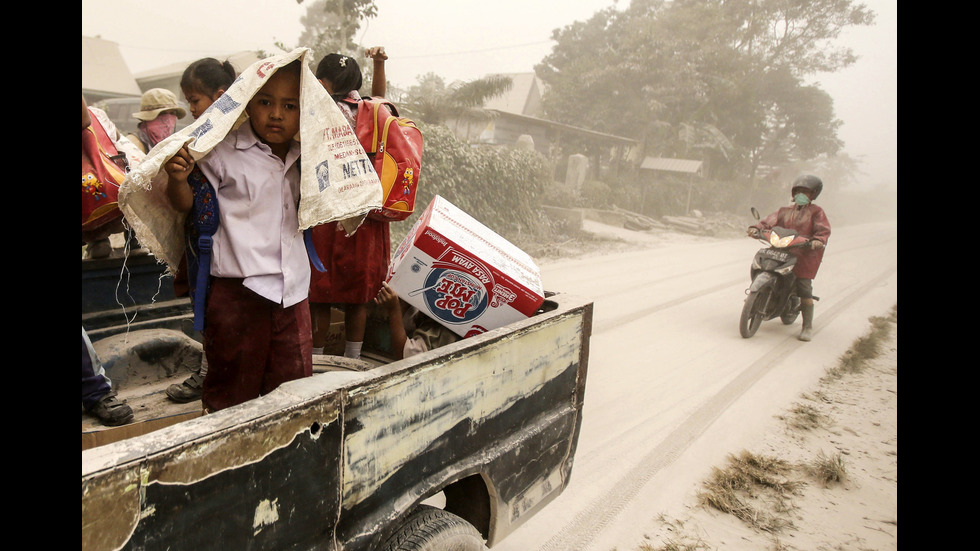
[[412, 332], [258, 333]]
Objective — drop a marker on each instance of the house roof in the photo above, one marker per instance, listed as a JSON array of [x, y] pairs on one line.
[[104, 71], [523, 97], [240, 61], [168, 76], [671, 165]]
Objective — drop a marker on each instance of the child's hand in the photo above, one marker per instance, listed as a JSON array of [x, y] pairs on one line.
[[180, 165], [376, 53], [379, 85], [178, 168], [386, 298]]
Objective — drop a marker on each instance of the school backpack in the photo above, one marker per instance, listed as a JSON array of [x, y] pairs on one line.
[[103, 170], [200, 227], [394, 145]]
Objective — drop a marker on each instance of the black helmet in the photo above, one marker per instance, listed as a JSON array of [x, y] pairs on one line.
[[809, 182]]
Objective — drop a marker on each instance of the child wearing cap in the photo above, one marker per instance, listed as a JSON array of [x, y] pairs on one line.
[[158, 116]]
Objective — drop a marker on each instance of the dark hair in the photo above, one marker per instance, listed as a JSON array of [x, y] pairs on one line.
[[293, 67], [343, 73], [208, 75]]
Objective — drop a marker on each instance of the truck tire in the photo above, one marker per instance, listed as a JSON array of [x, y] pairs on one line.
[[432, 529]]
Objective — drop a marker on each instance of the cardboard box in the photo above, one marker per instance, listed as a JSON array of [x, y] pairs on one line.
[[462, 274], [108, 435]]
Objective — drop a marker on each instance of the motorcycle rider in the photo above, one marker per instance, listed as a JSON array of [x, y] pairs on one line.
[[809, 220]]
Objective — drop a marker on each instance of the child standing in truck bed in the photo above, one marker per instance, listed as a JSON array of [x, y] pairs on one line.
[[202, 83], [258, 332], [356, 264]]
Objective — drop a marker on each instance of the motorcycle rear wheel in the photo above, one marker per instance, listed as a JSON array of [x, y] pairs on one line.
[[792, 311], [751, 317]]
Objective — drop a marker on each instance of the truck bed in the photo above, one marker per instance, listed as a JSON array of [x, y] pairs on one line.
[[340, 459], [143, 363]]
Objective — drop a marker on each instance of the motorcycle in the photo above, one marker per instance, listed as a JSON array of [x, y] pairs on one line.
[[772, 292]]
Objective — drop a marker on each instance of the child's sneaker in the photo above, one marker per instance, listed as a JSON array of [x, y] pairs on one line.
[[112, 411], [98, 249], [187, 391]]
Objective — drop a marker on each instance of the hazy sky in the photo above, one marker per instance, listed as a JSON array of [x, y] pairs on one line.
[[467, 39]]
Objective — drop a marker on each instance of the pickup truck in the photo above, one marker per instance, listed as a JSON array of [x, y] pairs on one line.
[[450, 449]]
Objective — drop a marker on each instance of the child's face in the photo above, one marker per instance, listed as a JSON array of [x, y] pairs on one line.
[[199, 101], [274, 110]]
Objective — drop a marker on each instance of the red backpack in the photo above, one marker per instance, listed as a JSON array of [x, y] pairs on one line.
[[394, 145]]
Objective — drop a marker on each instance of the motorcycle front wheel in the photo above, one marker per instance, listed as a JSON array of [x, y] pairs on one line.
[[751, 318]]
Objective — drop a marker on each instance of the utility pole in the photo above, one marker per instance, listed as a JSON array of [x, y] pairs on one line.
[[343, 26]]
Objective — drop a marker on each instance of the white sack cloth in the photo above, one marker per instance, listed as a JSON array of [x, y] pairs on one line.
[[337, 181]]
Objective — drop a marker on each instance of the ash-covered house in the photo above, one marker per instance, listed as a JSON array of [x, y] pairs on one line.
[[516, 115], [168, 76], [105, 74], [108, 83]]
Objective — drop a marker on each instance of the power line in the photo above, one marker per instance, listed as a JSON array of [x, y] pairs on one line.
[[477, 51], [198, 51], [208, 51]]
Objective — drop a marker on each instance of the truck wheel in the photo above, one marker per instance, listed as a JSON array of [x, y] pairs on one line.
[[432, 529]]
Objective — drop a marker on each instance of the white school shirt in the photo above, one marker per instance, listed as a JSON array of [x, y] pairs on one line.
[[258, 237]]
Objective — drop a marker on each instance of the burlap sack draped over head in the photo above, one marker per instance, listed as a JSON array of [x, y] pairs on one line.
[[336, 182]]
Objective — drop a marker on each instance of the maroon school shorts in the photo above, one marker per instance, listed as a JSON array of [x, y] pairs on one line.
[[252, 344]]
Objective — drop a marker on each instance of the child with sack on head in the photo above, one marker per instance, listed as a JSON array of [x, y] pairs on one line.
[[356, 264], [258, 333]]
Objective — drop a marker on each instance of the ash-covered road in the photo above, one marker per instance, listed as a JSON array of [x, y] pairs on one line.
[[672, 386]]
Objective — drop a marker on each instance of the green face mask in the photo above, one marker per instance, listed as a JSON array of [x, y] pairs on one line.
[[801, 199]]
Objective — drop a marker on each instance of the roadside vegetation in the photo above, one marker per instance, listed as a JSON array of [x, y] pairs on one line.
[[728, 84], [502, 187], [760, 490], [867, 347], [755, 489]]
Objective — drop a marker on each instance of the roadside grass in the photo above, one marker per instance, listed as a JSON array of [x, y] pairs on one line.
[[675, 546], [827, 470], [758, 490], [753, 488], [682, 543], [865, 348], [803, 417]]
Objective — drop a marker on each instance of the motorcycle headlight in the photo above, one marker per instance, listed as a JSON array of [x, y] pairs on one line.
[[779, 242]]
